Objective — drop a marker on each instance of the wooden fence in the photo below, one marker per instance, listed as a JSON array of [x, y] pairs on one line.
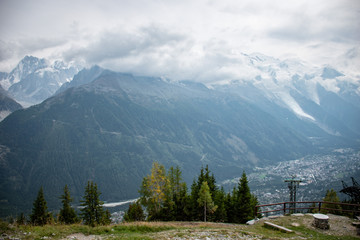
[[285, 207]]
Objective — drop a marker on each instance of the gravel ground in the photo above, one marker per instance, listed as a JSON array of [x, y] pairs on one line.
[[80, 236], [339, 226]]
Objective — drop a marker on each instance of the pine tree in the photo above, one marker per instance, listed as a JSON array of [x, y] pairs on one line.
[[243, 205], [331, 196], [92, 211], [106, 217], [40, 216], [175, 181], [176, 208], [67, 213], [194, 214], [205, 199], [204, 176], [134, 213], [230, 206], [182, 204], [254, 202], [210, 179], [220, 201]]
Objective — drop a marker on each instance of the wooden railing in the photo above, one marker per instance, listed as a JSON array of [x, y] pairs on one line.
[[285, 207]]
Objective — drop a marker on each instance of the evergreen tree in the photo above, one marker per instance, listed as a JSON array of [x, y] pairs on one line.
[[92, 211], [220, 201], [67, 213], [177, 209], [205, 199], [182, 204], [167, 210], [21, 219], [106, 217], [230, 204], [331, 196], [204, 176], [134, 213], [164, 195], [210, 179], [254, 202], [243, 206], [40, 216], [165, 198], [193, 204], [175, 181]]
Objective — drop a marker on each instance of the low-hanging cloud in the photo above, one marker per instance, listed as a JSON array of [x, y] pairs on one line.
[[119, 44], [188, 39]]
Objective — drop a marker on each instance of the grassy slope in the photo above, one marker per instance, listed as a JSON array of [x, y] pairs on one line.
[[340, 228]]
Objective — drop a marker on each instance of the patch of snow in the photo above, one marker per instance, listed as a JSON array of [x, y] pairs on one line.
[[330, 85], [293, 105], [5, 83], [41, 71]]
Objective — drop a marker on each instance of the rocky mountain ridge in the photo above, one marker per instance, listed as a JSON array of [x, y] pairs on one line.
[[34, 80]]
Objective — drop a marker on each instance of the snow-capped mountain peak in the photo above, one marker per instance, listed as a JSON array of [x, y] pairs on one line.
[[291, 83], [35, 79], [25, 67]]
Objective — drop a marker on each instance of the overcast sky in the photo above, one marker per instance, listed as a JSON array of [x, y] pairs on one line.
[[184, 38]]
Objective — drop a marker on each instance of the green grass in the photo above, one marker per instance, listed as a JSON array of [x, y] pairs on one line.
[[57, 231], [168, 230], [140, 228]]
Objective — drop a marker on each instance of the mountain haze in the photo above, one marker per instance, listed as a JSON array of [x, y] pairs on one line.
[[109, 127], [112, 129]]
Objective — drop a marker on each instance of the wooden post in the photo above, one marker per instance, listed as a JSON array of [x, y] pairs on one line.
[[284, 208], [319, 206], [255, 212]]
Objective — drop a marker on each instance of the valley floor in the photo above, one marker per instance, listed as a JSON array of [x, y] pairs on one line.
[[340, 228]]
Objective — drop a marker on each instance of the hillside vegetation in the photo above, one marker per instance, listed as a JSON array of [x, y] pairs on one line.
[[340, 227]]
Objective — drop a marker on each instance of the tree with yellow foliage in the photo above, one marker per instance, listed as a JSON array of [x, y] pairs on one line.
[[153, 190]]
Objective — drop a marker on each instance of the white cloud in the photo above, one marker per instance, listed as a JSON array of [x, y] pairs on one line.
[[180, 39]]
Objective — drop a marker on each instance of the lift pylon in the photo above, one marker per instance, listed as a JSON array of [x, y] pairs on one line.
[[293, 184]]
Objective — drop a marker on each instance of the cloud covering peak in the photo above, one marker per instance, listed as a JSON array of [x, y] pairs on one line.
[[180, 39]]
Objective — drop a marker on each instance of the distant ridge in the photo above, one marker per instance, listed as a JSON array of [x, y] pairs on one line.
[[7, 104]]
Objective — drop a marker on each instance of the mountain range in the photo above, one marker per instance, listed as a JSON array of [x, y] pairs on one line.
[[109, 127], [35, 79]]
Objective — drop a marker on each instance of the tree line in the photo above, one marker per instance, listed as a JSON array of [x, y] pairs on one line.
[[165, 197], [91, 213]]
